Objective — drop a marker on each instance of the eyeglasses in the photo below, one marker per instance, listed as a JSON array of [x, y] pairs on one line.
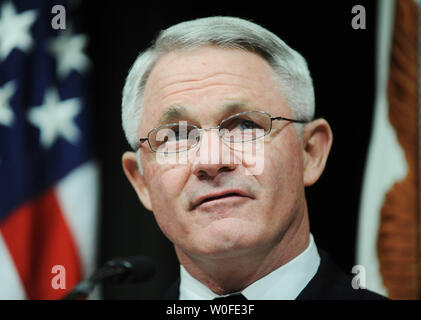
[[238, 128]]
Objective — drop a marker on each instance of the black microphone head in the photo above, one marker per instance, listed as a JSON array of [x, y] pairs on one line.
[[134, 269]]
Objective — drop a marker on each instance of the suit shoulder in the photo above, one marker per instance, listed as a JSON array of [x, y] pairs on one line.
[[332, 283]]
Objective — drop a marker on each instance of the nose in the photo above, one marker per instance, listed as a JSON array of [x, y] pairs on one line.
[[213, 156]]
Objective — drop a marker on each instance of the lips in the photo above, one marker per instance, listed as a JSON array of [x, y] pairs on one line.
[[218, 195]]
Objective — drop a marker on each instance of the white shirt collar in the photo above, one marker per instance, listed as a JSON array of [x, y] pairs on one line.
[[284, 283]]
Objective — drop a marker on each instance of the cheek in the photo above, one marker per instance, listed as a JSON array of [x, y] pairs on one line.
[[283, 167], [166, 184]]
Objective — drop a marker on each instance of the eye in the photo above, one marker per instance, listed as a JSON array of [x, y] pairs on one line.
[[169, 134], [178, 132], [241, 124], [247, 124]]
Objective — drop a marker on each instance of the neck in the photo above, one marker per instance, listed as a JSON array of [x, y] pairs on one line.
[[228, 275]]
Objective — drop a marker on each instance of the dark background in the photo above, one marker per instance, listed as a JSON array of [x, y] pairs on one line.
[[341, 61]]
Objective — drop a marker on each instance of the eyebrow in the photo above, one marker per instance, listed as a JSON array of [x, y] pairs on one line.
[[178, 112], [173, 114], [236, 107]]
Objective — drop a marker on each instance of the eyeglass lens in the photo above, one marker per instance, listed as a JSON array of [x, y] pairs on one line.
[[181, 136]]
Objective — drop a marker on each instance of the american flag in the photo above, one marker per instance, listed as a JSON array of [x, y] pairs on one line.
[[48, 176]]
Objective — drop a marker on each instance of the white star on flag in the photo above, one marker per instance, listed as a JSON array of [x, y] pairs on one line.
[[56, 119], [6, 93], [68, 50], [14, 29]]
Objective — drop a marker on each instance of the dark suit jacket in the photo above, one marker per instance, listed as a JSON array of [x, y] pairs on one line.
[[329, 283]]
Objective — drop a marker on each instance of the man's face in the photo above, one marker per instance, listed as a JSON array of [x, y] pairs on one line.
[[207, 85]]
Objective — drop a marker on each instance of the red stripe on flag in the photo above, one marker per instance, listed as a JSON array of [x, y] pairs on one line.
[[39, 238]]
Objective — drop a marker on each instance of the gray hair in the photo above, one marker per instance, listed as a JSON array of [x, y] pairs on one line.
[[227, 32]]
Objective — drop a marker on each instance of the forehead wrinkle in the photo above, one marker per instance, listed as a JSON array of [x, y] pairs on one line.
[[173, 84]]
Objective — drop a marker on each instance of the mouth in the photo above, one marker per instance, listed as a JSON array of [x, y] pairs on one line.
[[230, 194]]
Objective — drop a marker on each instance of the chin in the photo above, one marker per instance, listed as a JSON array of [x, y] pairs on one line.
[[226, 238]]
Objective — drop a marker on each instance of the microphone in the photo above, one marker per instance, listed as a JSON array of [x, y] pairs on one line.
[[121, 270]]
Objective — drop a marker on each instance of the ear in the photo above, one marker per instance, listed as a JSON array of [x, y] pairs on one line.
[[317, 141], [137, 180]]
